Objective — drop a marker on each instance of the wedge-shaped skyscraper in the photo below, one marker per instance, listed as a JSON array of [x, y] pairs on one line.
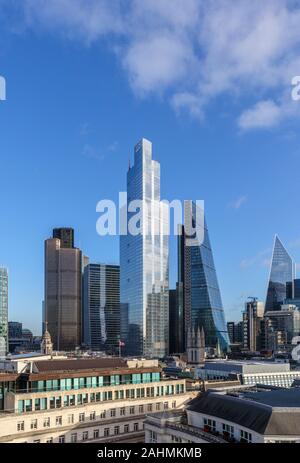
[[201, 295], [282, 271]]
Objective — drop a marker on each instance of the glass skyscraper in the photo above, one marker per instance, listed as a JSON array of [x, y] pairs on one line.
[[101, 307], [3, 311], [282, 271], [201, 297], [144, 280]]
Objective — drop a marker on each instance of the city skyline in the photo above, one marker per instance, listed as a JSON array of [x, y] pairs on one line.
[[83, 97]]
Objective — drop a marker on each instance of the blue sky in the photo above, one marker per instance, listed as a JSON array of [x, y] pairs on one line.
[[86, 80]]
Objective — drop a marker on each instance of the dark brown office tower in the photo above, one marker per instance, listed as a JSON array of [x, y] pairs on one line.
[[63, 294], [65, 235]]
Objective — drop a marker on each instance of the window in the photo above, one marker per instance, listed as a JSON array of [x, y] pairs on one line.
[[246, 436], [92, 416], [74, 438], [28, 405], [61, 439], [96, 433], [46, 423], [149, 407], [113, 412], [209, 425], [33, 424], [106, 432], [176, 439], [70, 419], [37, 404], [21, 406], [85, 435], [166, 405], [81, 417], [126, 428], [58, 402], [157, 407], [58, 421], [174, 404], [131, 410], [49, 441], [136, 426], [228, 431], [103, 414], [141, 409], [116, 430], [153, 437], [20, 426], [122, 411], [44, 404]]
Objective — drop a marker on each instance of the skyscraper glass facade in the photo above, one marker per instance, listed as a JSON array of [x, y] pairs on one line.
[[101, 307], [282, 271], [144, 281], [3, 311], [201, 294]]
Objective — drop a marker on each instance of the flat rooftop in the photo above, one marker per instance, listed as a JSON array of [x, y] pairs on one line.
[[277, 398], [247, 366], [79, 364]]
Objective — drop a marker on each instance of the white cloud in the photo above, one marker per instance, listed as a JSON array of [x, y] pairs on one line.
[[156, 63], [264, 114], [191, 51], [91, 152], [260, 259], [237, 204]]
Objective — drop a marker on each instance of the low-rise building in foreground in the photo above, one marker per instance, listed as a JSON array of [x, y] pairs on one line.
[[254, 415], [44, 399]]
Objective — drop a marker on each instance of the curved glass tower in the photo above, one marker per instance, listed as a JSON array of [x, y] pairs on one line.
[[282, 271], [202, 298], [144, 279]]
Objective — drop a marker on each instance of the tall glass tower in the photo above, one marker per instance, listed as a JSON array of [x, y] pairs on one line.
[[144, 278], [3, 311], [101, 307], [201, 297], [282, 271]]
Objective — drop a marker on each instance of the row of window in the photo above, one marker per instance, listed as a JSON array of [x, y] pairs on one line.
[[69, 384], [46, 403], [228, 430], [82, 417], [95, 434]]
